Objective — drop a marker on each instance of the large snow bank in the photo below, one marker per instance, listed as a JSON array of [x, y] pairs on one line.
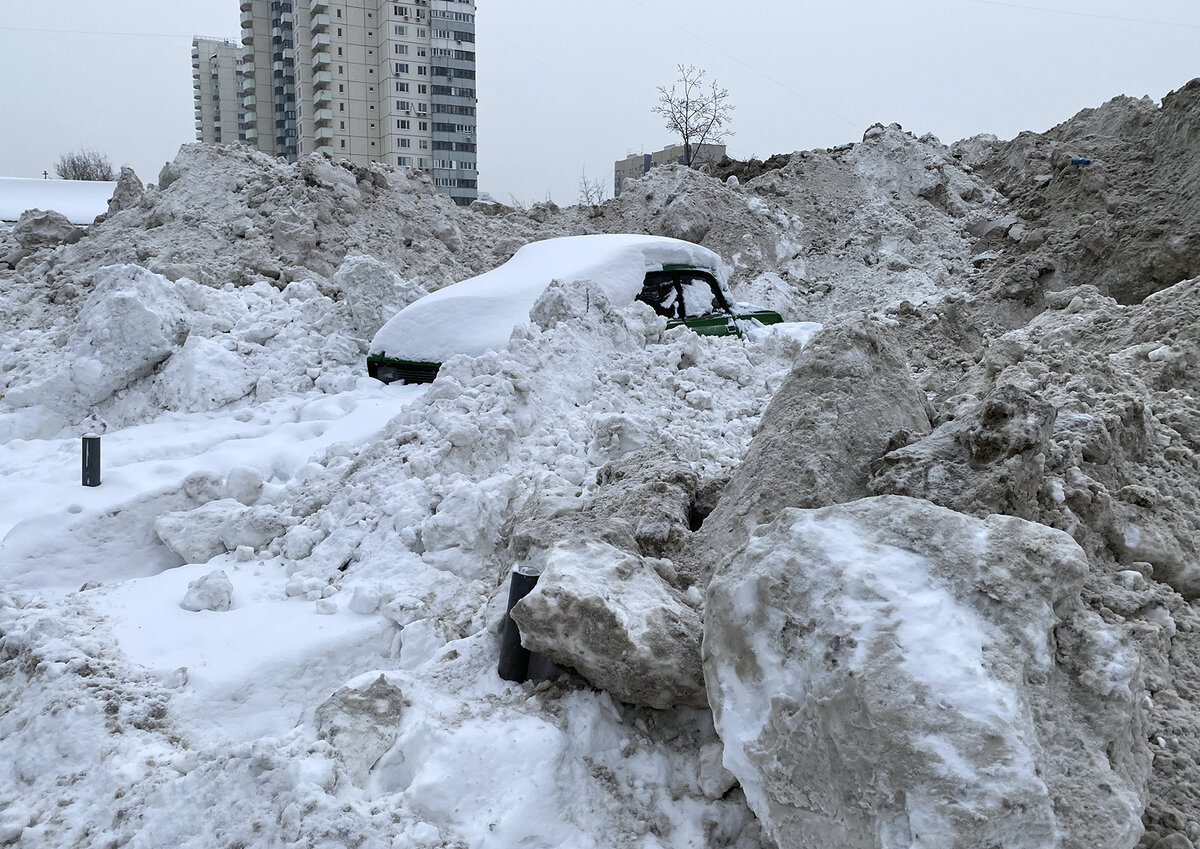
[[367, 560], [884, 673], [79, 200]]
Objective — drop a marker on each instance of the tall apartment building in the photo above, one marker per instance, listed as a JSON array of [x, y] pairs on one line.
[[217, 89], [637, 164], [367, 80]]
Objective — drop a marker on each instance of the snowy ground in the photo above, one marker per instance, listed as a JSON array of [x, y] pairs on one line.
[[352, 542]]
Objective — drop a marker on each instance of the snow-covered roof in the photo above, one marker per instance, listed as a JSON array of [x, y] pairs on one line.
[[79, 201], [480, 313]]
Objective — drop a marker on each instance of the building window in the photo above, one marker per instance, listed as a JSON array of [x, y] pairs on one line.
[[423, 144], [421, 32], [404, 142], [341, 87], [421, 70], [339, 29], [403, 105], [405, 161], [401, 86], [339, 51], [341, 125], [400, 49], [401, 67], [400, 30], [341, 107], [402, 124], [341, 69], [422, 88], [422, 125], [422, 108]]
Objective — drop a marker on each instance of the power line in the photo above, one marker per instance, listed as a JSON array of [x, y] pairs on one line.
[[1073, 13], [716, 48]]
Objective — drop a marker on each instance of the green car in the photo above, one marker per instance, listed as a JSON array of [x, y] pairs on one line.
[[683, 282]]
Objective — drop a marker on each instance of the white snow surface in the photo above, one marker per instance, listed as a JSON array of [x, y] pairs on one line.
[[362, 528], [479, 314], [79, 201], [359, 528]]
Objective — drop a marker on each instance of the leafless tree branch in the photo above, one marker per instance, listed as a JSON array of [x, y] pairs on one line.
[[695, 110]]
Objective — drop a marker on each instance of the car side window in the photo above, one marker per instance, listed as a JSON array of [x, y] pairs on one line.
[[680, 294], [662, 296]]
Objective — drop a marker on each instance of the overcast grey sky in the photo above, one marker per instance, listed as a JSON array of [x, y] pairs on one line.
[[566, 87]]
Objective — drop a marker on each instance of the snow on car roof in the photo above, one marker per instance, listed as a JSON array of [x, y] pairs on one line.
[[480, 313]]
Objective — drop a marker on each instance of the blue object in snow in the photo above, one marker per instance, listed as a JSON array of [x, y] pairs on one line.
[[1080, 160]]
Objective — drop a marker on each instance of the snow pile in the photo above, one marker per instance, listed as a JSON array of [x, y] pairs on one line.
[[214, 328], [885, 672]]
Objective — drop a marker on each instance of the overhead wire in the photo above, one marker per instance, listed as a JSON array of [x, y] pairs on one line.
[[1078, 14]]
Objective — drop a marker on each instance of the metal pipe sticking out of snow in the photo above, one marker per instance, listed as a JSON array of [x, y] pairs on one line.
[[91, 459], [514, 658]]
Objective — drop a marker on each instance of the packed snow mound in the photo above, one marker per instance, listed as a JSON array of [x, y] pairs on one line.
[[1096, 200], [887, 672], [848, 397], [351, 684]]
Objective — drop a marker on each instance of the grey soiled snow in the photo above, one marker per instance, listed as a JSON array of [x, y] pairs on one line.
[[957, 533]]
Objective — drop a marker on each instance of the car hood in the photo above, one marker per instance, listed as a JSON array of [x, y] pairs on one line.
[[479, 314]]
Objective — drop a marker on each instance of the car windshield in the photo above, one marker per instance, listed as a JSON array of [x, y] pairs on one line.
[[682, 294]]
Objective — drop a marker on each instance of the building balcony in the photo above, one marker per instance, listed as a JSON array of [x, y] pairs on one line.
[[248, 70], [319, 23], [247, 19], [318, 6], [322, 133], [323, 116], [321, 78], [251, 134], [249, 100], [246, 5], [320, 60], [322, 96], [247, 36], [320, 40]]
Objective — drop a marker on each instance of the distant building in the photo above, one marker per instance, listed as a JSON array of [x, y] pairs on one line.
[[635, 165], [217, 88], [364, 80]]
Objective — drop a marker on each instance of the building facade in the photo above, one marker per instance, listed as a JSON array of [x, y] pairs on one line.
[[637, 164], [365, 80], [217, 89]]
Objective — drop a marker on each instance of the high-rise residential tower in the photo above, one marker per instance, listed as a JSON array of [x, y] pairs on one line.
[[365, 80], [217, 87]]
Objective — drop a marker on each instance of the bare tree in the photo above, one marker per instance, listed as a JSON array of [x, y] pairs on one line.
[[591, 194], [695, 110], [84, 164]]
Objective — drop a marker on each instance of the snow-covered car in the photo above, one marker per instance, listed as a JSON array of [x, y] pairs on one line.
[[685, 283]]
